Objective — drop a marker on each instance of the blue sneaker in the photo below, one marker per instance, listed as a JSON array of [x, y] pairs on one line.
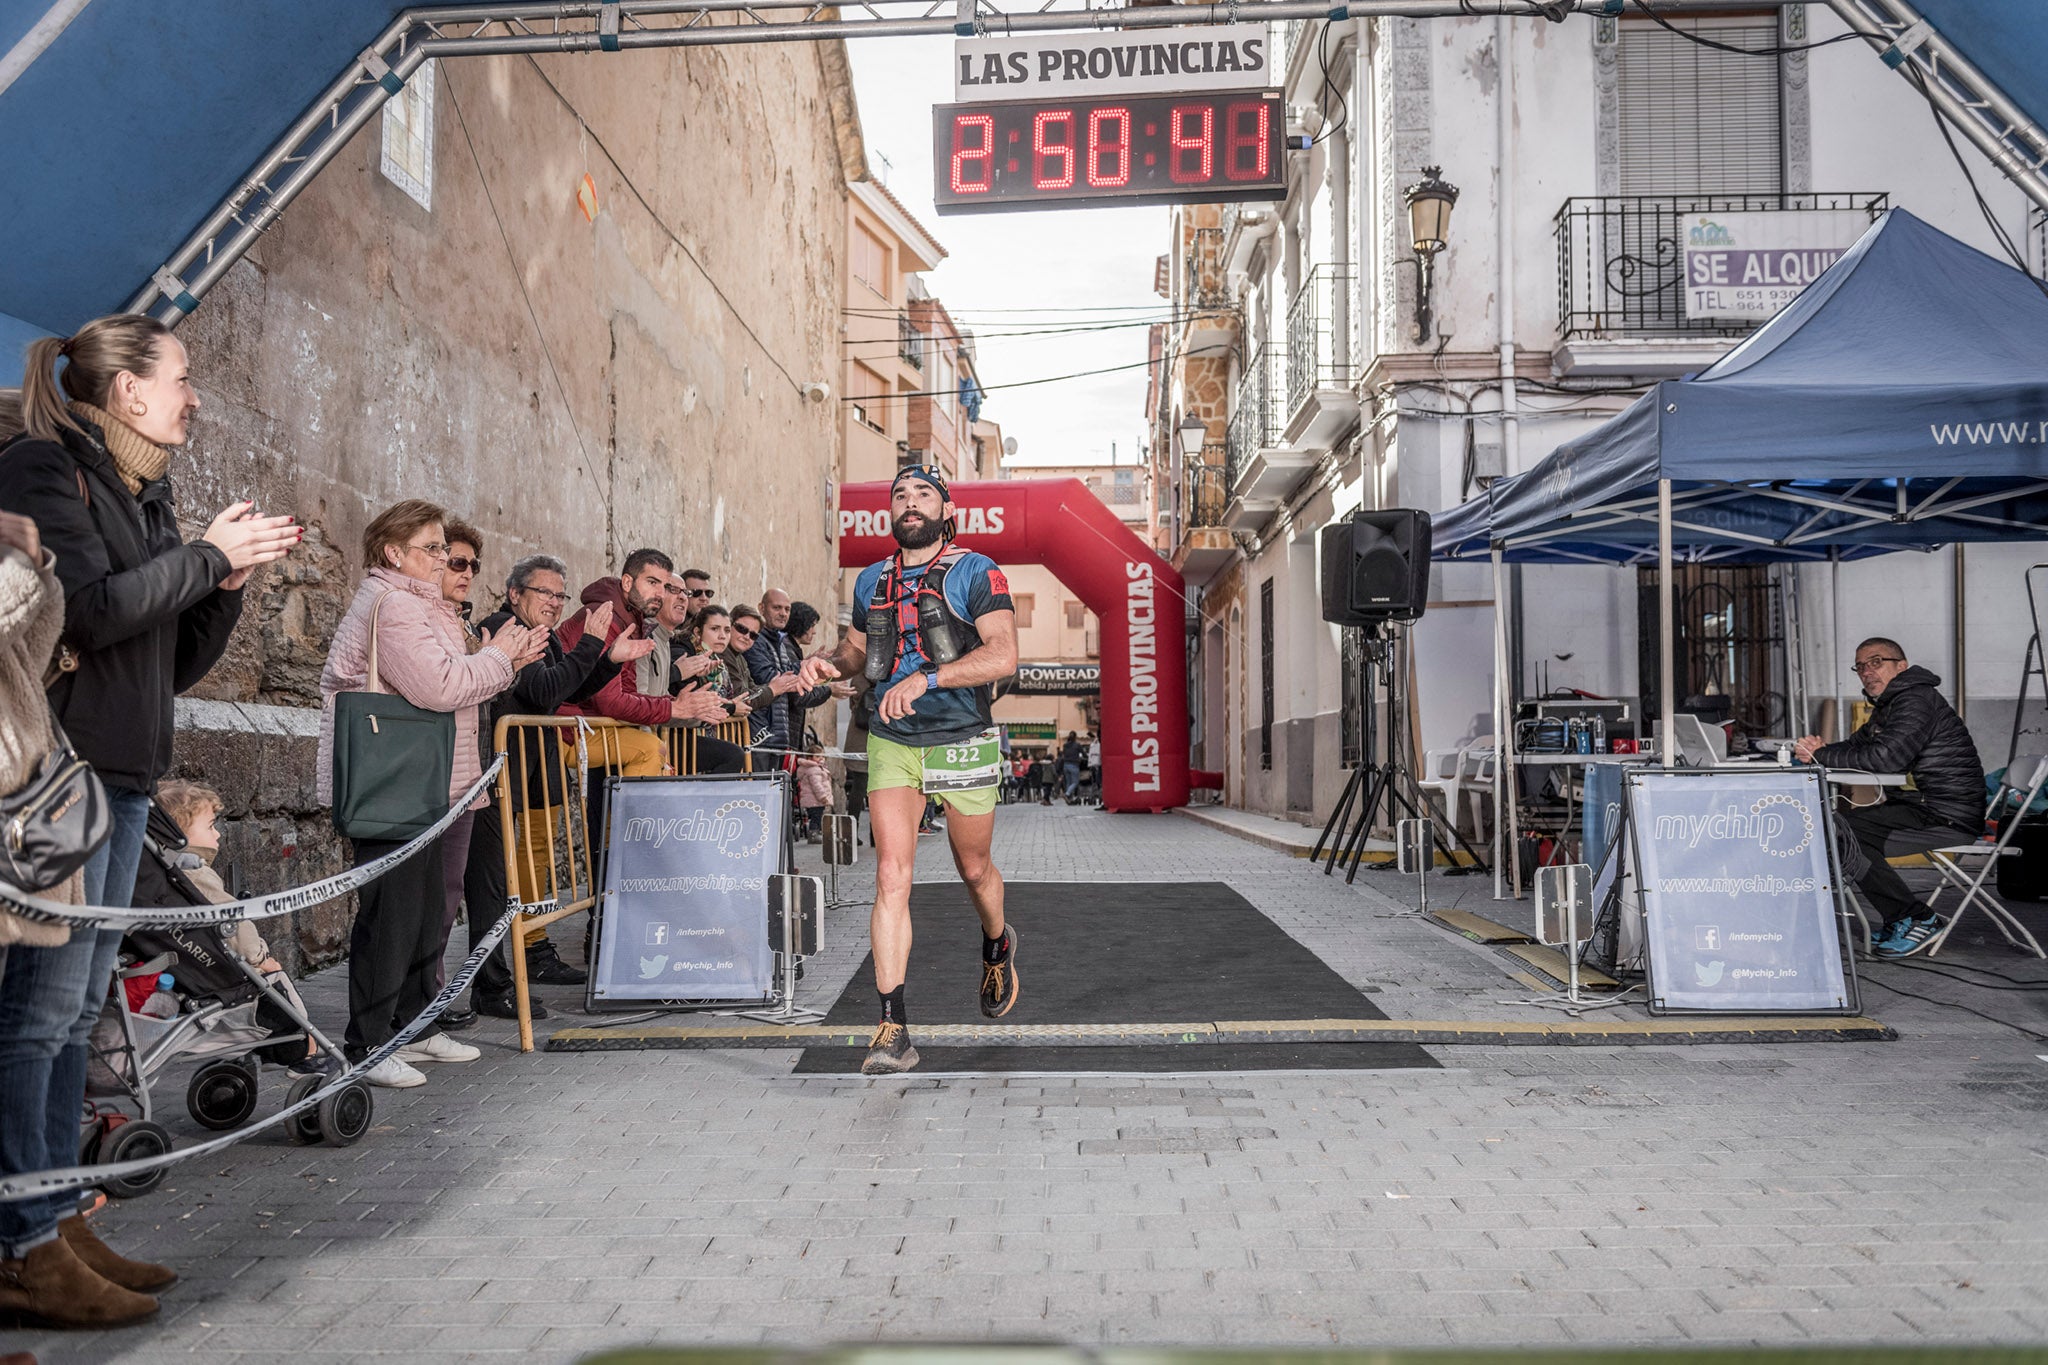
[[1918, 934], [1891, 935]]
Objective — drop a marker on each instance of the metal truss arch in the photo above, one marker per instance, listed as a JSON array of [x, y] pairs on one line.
[[1997, 126], [602, 26]]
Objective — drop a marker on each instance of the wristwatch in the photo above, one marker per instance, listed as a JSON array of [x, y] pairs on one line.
[[931, 678]]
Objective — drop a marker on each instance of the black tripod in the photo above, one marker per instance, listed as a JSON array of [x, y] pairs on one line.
[[1387, 781]]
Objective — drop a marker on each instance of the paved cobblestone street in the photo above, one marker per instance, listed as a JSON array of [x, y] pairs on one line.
[[543, 1206]]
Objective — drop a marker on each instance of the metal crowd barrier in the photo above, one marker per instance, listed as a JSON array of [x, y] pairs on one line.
[[550, 862]]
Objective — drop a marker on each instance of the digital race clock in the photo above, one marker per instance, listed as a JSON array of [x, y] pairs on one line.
[[1154, 149]]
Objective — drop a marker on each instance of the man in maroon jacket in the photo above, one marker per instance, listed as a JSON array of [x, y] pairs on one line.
[[635, 595]]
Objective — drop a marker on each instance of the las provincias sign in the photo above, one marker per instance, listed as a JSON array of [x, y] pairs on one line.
[[1069, 65]]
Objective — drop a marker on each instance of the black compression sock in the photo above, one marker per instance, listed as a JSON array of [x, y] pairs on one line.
[[892, 1007], [995, 950]]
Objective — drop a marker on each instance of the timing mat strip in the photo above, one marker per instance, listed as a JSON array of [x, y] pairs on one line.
[[1437, 1032]]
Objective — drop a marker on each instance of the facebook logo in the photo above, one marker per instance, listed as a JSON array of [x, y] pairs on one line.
[[1707, 937], [657, 934]]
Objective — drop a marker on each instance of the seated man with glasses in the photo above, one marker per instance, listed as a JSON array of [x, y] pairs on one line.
[[1912, 729]]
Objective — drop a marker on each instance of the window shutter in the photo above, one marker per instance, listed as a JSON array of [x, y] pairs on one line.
[[1695, 121]]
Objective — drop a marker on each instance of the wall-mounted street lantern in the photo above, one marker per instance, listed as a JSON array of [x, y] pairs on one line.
[[1194, 434], [1429, 223]]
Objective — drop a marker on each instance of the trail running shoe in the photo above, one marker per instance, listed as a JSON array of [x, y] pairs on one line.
[[1917, 935], [999, 979], [889, 1051]]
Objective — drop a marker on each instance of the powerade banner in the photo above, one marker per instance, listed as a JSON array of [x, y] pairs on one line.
[[684, 913], [1738, 891]]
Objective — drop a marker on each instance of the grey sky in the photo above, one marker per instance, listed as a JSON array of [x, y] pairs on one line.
[[1062, 259]]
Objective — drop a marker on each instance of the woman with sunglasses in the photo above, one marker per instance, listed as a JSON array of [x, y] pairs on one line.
[[746, 629], [458, 574]]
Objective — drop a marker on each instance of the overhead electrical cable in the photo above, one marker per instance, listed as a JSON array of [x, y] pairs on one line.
[[539, 332], [662, 223]]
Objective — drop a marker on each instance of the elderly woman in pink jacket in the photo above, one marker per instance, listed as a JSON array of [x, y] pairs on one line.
[[423, 656]]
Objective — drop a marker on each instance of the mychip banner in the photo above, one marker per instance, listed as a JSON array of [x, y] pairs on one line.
[[684, 913], [1737, 881]]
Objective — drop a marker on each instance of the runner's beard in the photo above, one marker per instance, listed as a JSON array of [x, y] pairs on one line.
[[926, 532]]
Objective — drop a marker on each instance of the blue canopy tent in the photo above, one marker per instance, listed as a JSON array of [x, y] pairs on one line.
[[125, 124], [1900, 402]]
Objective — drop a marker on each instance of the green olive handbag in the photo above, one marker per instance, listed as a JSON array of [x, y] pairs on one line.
[[393, 761]]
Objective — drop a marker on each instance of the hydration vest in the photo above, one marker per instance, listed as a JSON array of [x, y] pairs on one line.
[[943, 632]]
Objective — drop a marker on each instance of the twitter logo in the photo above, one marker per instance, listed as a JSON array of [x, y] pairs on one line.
[[1708, 973], [650, 967]]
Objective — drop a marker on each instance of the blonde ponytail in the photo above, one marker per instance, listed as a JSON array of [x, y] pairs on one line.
[[101, 350]]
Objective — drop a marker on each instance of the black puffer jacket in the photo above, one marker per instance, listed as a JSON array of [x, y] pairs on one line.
[[145, 611], [1914, 730], [557, 677]]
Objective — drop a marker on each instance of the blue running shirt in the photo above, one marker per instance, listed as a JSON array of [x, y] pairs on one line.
[[974, 588]]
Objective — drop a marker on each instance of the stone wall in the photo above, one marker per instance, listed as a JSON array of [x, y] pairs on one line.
[[575, 384]]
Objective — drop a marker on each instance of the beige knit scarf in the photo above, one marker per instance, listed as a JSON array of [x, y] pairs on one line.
[[137, 459]]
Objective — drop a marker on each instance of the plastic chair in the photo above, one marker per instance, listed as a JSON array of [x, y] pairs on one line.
[[1954, 862], [1856, 915], [1478, 767], [1441, 771]]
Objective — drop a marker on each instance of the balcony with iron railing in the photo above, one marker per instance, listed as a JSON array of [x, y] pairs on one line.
[[1320, 405], [1621, 259], [909, 341], [1202, 542], [1254, 416], [1204, 490]]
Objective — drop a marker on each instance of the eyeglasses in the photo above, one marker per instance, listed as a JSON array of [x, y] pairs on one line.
[[696, 592], [1868, 665], [460, 564], [744, 631], [549, 593], [432, 550]]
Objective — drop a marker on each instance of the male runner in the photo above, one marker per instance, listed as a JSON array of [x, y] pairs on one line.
[[931, 733]]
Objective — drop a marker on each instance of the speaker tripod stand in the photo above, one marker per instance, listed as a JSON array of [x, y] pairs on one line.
[[1386, 787]]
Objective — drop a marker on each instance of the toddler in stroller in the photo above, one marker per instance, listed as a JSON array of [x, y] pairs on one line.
[[234, 1008]]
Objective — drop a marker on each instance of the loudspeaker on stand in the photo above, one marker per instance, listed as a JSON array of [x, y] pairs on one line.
[[1376, 567]]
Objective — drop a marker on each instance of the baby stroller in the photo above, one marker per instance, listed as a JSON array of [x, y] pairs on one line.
[[229, 1014]]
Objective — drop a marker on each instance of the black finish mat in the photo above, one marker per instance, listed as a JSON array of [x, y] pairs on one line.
[[1100, 953]]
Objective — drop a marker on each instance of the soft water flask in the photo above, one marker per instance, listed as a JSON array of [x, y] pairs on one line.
[[935, 630]]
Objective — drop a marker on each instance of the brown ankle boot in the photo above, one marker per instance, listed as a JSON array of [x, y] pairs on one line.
[[111, 1265], [51, 1287]]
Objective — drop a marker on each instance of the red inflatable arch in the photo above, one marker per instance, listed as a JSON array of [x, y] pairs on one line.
[[1136, 594]]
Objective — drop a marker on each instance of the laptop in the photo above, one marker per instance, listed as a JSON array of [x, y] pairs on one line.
[[1699, 745]]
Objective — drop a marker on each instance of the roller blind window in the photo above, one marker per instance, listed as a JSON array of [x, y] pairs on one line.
[[1696, 121]]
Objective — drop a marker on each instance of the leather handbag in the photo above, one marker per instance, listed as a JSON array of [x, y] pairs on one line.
[[393, 761], [55, 821]]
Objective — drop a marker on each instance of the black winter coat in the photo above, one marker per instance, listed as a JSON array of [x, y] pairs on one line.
[[145, 612], [1914, 730], [557, 678]]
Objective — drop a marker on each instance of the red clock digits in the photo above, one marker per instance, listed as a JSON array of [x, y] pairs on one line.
[[1044, 153], [967, 158], [1192, 132], [1109, 159], [1236, 141]]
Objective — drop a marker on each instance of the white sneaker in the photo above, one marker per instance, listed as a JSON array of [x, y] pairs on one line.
[[437, 1047], [393, 1074]]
